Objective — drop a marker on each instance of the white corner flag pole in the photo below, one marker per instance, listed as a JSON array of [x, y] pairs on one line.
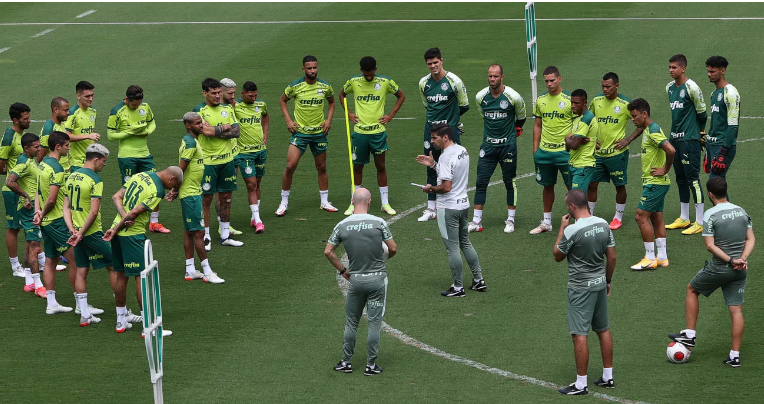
[[530, 39]]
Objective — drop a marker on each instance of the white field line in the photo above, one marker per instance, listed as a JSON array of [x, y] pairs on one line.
[[86, 13], [288, 22], [39, 34], [3, 49], [752, 117]]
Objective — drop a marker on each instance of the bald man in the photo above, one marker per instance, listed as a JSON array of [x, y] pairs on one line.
[[366, 238]]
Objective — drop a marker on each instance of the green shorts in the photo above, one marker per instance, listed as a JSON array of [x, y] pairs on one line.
[[548, 164], [711, 151], [732, 282], [375, 143], [93, 250], [580, 177], [127, 253], [54, 238], [612, 168], [193, 215], [252, 164], [652, 197], [686, 161], [318, 142], [11, 201], [130, 166], [219, 178], [31, 232], [587, 309]]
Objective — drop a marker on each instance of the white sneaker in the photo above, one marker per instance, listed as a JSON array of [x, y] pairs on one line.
[[194, 275], [510, 226], [207, 243], [93, 310], [473, 227], [84, 322], [122, 327], [329, 207], [18, 272], [231, 242], [281, 211], [213, 278], [57, 309], [60, 267], [542, 227], [132, 318], [428, 214]]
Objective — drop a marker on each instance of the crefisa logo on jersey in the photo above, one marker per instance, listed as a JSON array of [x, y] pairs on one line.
[[617, 109], [504, 104], [224, 114], [561, 104], [681, 93], [444, 86], [377, 86], [142, 112]]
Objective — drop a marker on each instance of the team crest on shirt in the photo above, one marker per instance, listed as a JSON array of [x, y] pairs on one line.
[[719, 97], [142, 112], [224, 114], [248, 170], [617, 109], [257, 110], [320, 91], [482, 153], [426, 144], [444, 86], [681, 94], [206, 186], [92, 118], [504, 104], [377, 86], [561, 105]]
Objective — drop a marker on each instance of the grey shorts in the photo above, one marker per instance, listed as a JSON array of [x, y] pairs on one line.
[[587, 309]]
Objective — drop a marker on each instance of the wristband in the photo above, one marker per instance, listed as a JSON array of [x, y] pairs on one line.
[[343, 271], [730, 261]]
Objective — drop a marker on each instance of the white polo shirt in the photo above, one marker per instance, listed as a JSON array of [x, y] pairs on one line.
[[454, 165]]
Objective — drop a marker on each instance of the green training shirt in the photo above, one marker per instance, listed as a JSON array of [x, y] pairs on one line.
[[26, 170], [309, 100], [216, 150], [250, 117], [688, 110], [556, 120], [612, 117], [10, 150], [585, 243], [728, 224], [191, 151], [142, 189], [49, 127], [134, 122], [500, 115], [363, 235], [82, 187], [51, 173], [370, 97], [725, 116], [443, 99], [80, 122], [653, 155], [586, 127]]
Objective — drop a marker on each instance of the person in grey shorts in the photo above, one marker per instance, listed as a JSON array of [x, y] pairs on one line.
[[728, 234], [453, 206], [589, 246], [365, 238]]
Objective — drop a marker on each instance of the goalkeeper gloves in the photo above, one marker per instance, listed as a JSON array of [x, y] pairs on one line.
[[519, 131], [719, 163], [705, 164]]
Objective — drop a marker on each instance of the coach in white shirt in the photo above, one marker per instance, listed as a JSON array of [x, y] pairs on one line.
[[453, 206]]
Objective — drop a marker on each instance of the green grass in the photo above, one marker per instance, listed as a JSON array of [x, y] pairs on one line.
[[273, 331]]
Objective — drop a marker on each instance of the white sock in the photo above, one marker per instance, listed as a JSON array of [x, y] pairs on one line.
[[684, 211], [154, 217], [383, 194], [14, 262], [581, 382], [619, 208], [511, 214], [121, 313], [36, 280], [206, 232], [457, 288], [432, 205], [284, 197], [650, 250], [82, 303], [28, 276], [734, 354], [477, 216], [591, 207], [206, 267], [190, 268], [218, 221], [690, 333], [225, 231], [699, 213], [255, 208], [324, 197], [660, 245], [258, 204], [51, 295], [41, 259], [607, 374], [548, 217]]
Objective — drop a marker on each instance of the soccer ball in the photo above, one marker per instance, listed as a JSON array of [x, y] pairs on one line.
[[385, 251], [677, 353]]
